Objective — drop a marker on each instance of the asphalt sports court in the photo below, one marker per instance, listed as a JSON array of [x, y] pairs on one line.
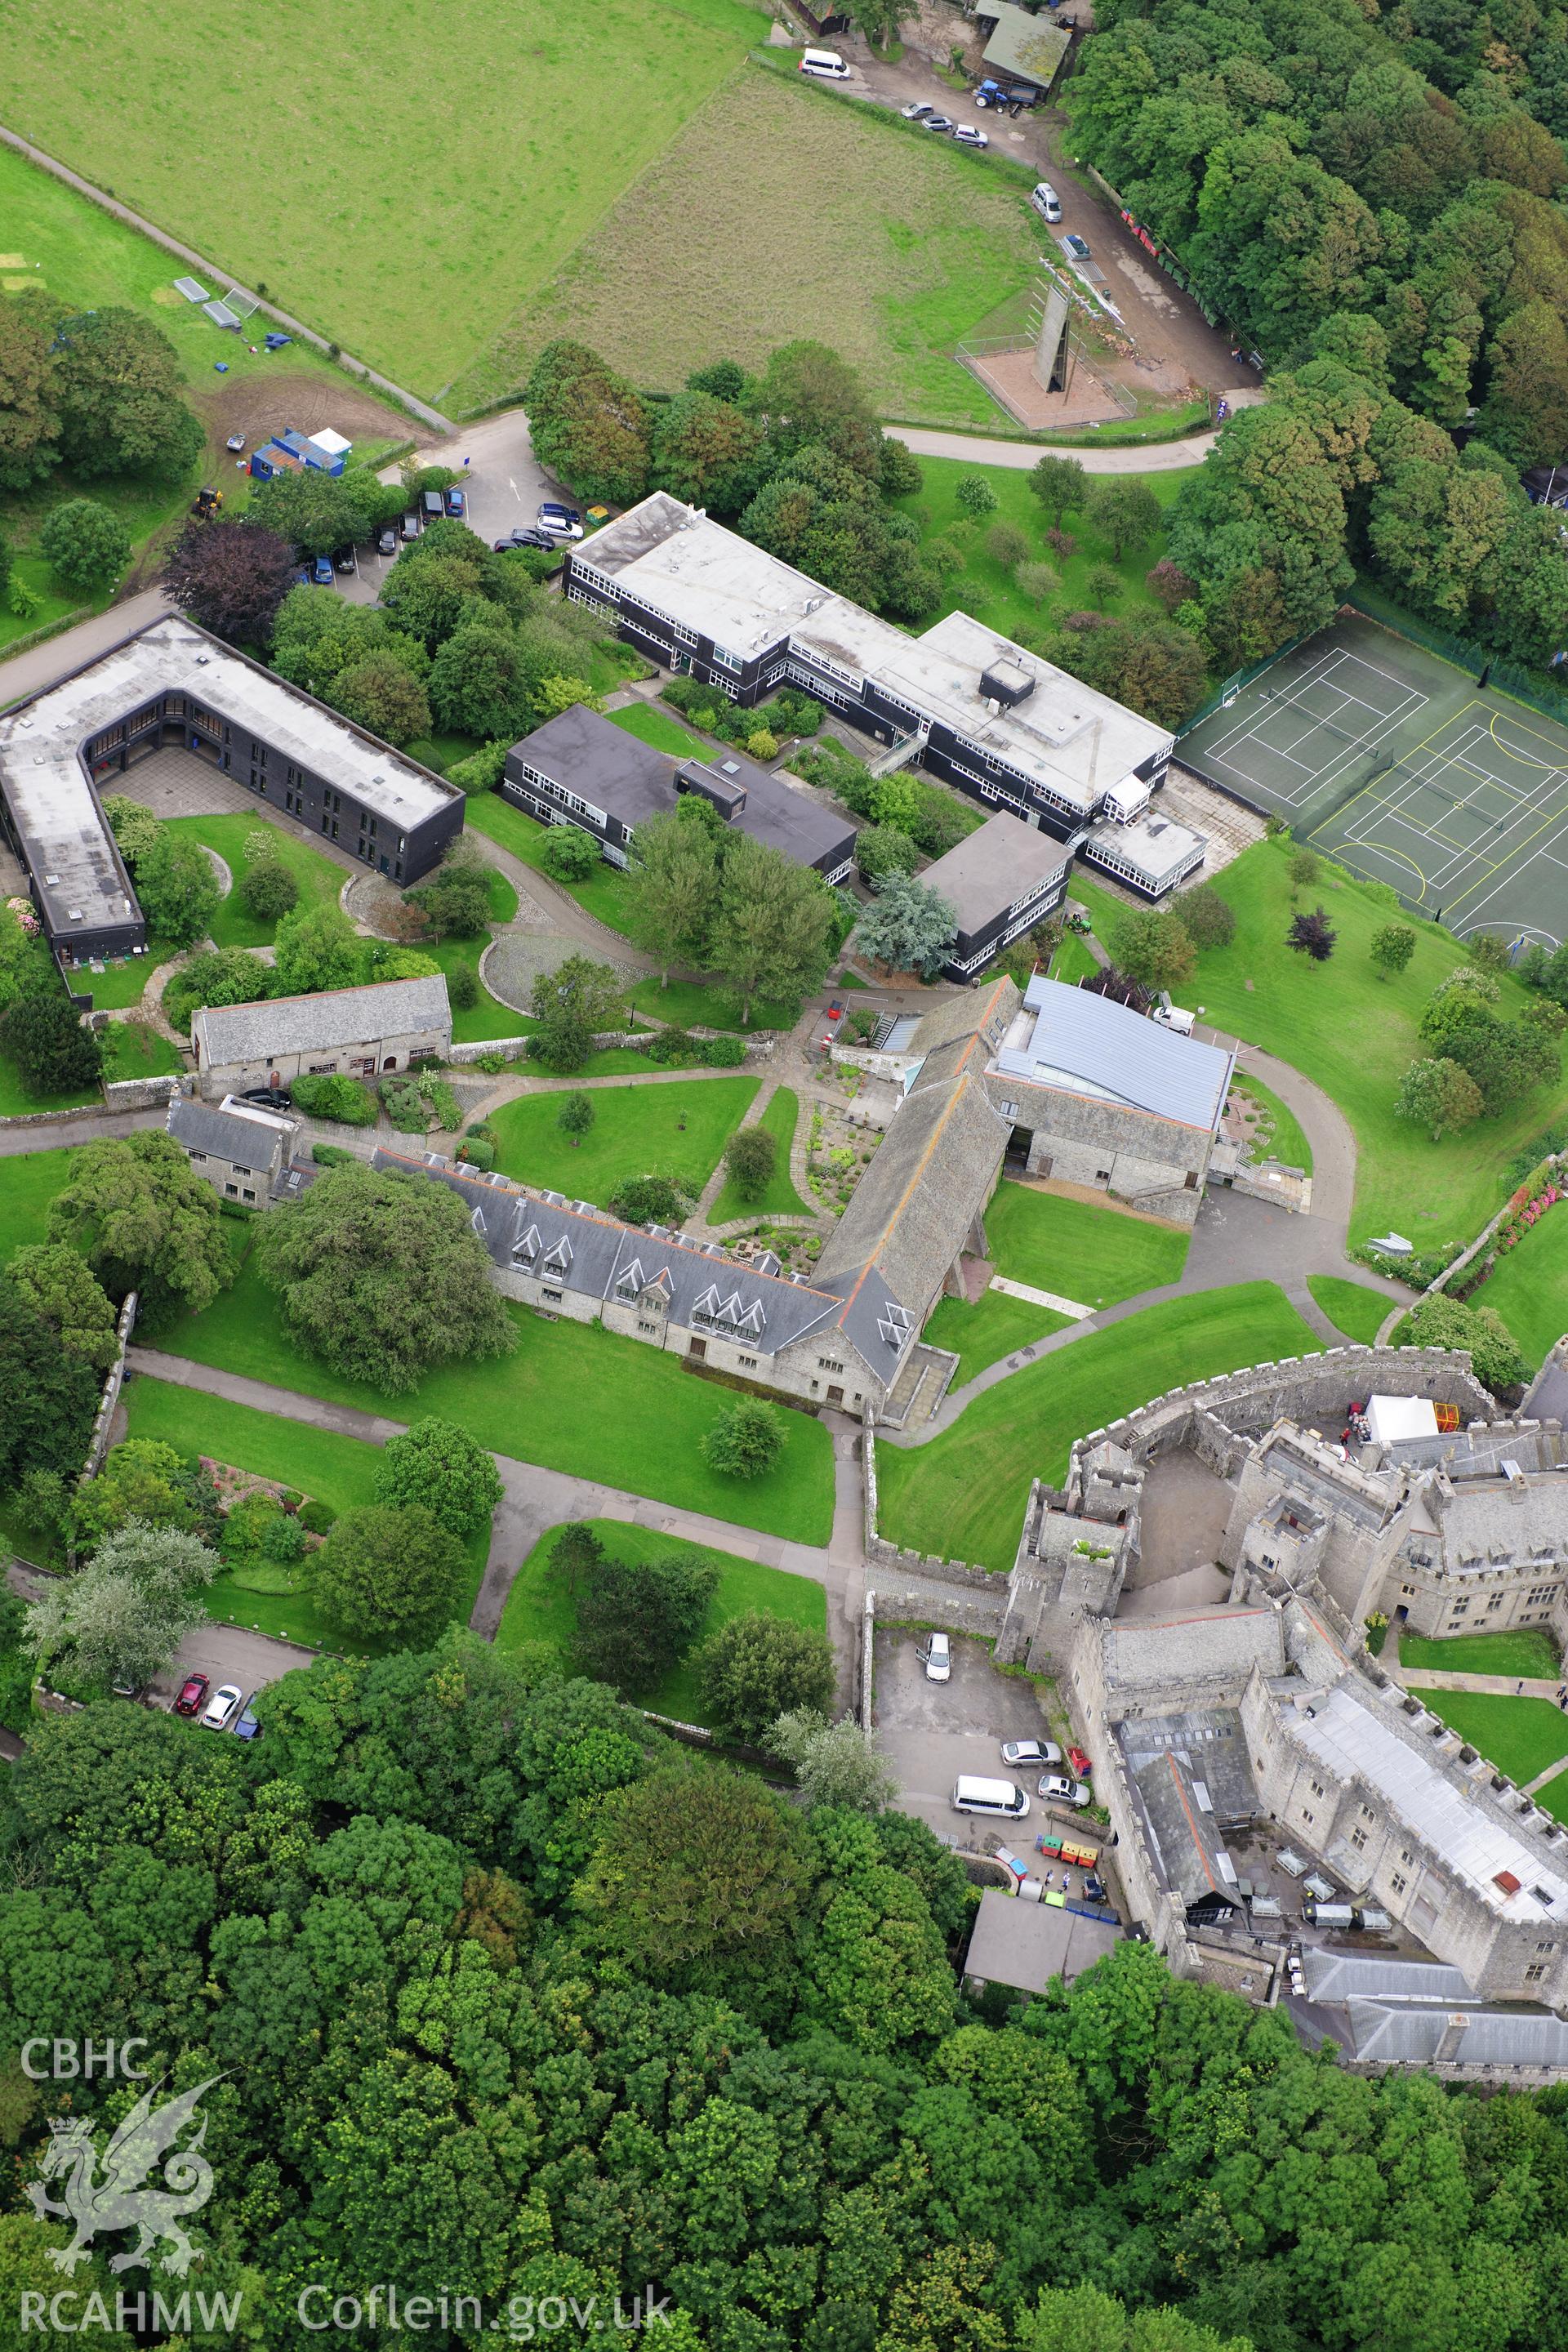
[[1405, 771]]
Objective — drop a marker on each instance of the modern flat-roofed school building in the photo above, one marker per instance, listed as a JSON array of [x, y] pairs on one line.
[[985, 715], [173, 686]]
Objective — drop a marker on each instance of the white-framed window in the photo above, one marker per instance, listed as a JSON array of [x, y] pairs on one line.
[[725, 660]]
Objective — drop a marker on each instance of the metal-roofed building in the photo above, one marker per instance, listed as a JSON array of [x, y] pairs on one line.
[[580, 769], [832, 1343], [1022, 47], [1000, 882], [1024, 1945], [360, 1032], [1098, 1095], [173, 685], [1000, 723]]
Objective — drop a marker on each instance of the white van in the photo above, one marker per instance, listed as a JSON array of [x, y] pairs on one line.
[[826, 63], [1173, 1017], [1003, 1797]]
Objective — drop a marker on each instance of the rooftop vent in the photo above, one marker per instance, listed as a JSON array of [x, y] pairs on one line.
[[731, 767], [76, 915], [1507, 1881], [1006, 682], [51, 877], [202, 660]]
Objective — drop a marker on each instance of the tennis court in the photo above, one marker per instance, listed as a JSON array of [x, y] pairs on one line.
[[1402, 769]]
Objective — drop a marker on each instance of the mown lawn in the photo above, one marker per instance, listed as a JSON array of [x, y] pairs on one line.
[[1279, 1135], [986, 589], [28, 1182], [780, 1199], [1073, 1248], [603, 892], [677, 1130], [1355, 1034], [540, 1610], [14, 1099], [1520, 1735], [319, 878], [1527, 1652], [1529, 1286], [706, 1004], [570, 1398], [1553, 1797], [337, 1470], [963, 1495], [659, 730], [131, 1050], [1350, 1306], [775, 186], [401, 278], [1072, 960]]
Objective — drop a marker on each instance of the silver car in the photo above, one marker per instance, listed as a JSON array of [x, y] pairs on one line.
[[937, 1659], [1030, 1755], [1064, 1791]]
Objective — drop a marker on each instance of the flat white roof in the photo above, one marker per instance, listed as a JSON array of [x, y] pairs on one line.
[[1392, 1417], [1344, 1733], [56, 808], [1064, 737], [1154, 848]]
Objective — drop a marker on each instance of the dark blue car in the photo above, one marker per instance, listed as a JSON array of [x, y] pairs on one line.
[[245, 1726]]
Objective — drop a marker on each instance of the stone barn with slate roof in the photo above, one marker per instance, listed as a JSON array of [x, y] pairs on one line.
[[358, 1032]]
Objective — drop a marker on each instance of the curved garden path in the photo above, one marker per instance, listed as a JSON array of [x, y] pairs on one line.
[[1235, 1240]]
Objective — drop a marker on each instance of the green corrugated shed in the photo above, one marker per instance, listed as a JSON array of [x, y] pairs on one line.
[[1024, 48]]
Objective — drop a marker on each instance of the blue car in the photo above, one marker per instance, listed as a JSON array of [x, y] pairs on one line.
[[457, 504], [245, 1726], [321, 572]]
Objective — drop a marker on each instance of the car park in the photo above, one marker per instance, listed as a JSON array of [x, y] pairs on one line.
[[456, 503], [1030, 1755], [345, 560], [967, 136], [223, 1704], [917, 113], [563, 521], [193, 1690], [245, 1724], [937, 1659], [410, 526], [269, 1098], [1063, 1790], [937, 123], [1075, 249], [1045, 201], [386, 541], [321, 572]]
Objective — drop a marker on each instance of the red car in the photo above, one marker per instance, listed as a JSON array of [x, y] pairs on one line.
[[193, 1690], [1080, 1763]]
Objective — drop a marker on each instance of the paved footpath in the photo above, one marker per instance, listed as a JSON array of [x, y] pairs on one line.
[[1152, 457], [537, 1499]]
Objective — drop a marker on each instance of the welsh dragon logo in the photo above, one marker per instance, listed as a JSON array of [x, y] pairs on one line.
[[116, 2199]]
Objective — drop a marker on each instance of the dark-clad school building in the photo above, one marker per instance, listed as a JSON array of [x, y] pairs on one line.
[[582, 770], [173, 686], [1000, 882]]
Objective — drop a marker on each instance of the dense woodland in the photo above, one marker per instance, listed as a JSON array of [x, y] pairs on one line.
[[506, 1992]]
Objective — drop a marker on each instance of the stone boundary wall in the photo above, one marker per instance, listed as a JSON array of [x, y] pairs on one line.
[[915, 1600], [868, 1668], [141, 1093], [912, 1563], [1295, 1387], [1083, 1688], [112, 1378]]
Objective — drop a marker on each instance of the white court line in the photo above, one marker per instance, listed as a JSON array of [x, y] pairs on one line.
[[1249, 730]]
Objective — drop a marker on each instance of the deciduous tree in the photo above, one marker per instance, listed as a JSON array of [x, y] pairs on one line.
[[575, 1116], [120, 389], [62, 1290], [1440, 1096], [87, 544], [1391, 948], [757, 1667], [1208, 919], [1154, 948], [708, 452], [1061, 486], [1441, 1322], [231, 576], [317, 947], [385, 1572], [745, 1441], [438, 1466], [1125, 511], [382, 695], [50, 1394], [29, 406], [1313, 936], [570, 1006], [636, 1617], [146, 1222], [774, 925], [834, 1763], [381, 1275], [121, 1618]]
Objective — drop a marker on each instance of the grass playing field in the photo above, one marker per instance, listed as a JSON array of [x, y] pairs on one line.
[[410, 224], [800, 214], [1355, 1034], [963, 1495], [538, 1609], [570, 1398], [1526, 1651]]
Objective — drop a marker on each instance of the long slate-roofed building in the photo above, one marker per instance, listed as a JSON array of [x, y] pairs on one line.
[[173, 685], [362, 1032]]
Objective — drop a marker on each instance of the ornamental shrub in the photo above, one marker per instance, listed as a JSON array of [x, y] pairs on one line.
[[337, 1097]]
